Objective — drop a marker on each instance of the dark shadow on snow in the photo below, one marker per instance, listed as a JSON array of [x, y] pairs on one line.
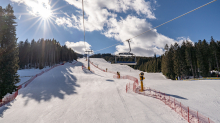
[[171, 95], [87, 71], [99, 75], [176, 96], [55, 83], [110, 80], [5, 107]]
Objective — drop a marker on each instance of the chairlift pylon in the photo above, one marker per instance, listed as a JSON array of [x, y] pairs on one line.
[[125, 55]]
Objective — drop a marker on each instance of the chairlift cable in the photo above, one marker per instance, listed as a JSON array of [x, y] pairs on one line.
[[174, 19], [84, 25], [161, 24], [108, 47]]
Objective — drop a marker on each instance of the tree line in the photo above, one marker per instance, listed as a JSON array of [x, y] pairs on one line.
[[8, 52], [191, 59], [34, 54], [44, 52], [141, 61], [179, 61]]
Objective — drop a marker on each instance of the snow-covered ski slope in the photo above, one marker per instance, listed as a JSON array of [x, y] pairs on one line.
[[69, 94], [199, 95], [26, 74]]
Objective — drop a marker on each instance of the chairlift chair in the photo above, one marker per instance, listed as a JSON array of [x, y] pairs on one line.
[[126, 55]]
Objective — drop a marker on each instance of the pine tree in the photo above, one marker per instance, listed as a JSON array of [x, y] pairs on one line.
[[21, 56], [183, 65], [189, 56], [26, 53], [167, 62], [176, 59], [2, 25], [9, 52], [206, 58], [32, 53], [214, 52], [155, 63], [202, 55]]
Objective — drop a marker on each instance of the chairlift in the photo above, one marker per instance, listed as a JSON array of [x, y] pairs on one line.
[[126, 56]]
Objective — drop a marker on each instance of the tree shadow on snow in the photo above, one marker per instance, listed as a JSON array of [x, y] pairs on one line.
[[110, 80], [5, 107], [55, 83], [87, 71], [176, 96]]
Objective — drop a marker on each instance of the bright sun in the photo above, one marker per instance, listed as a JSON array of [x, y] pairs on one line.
[[45, 13]]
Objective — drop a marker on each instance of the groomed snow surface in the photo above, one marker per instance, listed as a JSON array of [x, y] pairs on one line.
[[68, 94]]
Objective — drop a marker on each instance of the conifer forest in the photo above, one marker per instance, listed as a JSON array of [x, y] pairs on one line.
[[180, 61], [25, 54]]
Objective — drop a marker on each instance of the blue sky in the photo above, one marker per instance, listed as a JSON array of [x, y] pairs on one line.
[[111, 22]]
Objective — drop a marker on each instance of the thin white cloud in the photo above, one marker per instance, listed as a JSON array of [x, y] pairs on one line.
[[139, 6], [78, 47], [101, 15], [181, 39], [144, 45], [67, 22], [98, 12], [19, 17]]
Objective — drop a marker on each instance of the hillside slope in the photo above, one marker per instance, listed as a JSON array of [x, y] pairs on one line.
[[69, 94], [199, 95]]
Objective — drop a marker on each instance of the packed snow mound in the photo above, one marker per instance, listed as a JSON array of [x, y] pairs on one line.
[[69, 94], [199, 95], [125, 69], [26, 74], [154, 76], [102, 63]]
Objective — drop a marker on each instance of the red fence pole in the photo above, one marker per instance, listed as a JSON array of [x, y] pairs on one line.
[[169, 102], [208, 120], [133, 86], [188, 114], [159, 93], [165, 97], [181, 109], [169, 99], [174, 105], [198, 116], [129, 85]]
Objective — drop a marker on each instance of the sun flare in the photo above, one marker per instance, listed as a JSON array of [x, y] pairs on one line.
[[45, 13]]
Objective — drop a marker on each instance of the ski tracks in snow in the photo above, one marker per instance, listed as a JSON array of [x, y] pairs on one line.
[[125, 105], [97, 98]]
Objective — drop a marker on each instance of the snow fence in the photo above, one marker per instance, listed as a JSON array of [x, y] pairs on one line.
[[97, 66], [83, 68], [102, 69], [10, 97], [188, 114]]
